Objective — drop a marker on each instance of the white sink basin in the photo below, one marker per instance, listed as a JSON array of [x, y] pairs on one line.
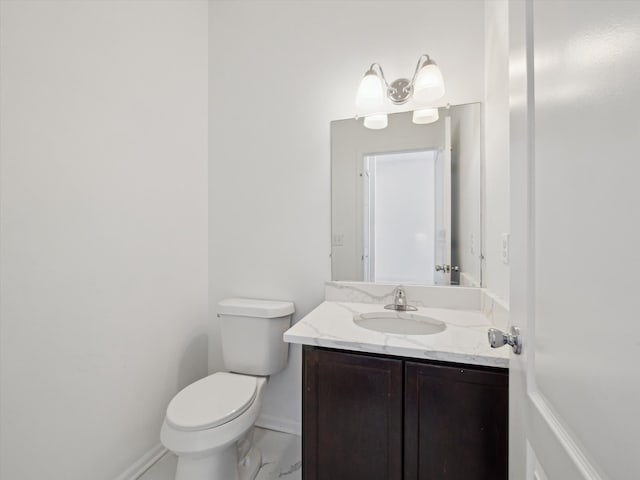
[[403, 323]]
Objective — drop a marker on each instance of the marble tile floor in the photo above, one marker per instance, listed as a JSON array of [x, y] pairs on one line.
[[281, 458]]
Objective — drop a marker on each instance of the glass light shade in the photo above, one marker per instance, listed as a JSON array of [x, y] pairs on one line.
[[429, 84], [370, 96], [425, 115], [376, 122]]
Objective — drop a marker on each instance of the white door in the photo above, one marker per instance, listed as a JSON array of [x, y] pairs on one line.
[[575, 243], [400, 200]]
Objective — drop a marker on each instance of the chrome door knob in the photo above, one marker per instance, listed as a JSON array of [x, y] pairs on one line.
[[497, 338], [447, 268]]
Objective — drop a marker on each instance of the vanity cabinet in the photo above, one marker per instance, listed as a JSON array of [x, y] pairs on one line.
[[372, 417], [352, 416], [455, 422]]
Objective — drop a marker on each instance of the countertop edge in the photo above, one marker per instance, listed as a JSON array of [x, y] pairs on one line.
[[461, 358]]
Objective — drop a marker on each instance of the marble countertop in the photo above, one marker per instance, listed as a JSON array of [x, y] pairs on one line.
[[463, 341]]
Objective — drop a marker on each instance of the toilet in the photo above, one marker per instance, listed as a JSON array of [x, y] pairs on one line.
[[209, 424]]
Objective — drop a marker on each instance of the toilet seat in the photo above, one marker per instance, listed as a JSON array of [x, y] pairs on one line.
[[211, 401]]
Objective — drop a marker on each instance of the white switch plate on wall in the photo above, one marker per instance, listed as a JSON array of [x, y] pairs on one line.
[[504, 248]]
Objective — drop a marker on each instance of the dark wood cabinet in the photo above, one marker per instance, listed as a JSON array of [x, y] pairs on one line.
[[371, 417], [455, 422], [352, 416]]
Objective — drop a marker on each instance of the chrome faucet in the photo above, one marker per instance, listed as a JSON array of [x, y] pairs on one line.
[[400, 301]]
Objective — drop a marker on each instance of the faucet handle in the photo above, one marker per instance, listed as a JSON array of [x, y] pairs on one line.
[[399, 296], [400, 301]]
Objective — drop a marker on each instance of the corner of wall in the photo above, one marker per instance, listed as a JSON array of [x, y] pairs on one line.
[[496, 147]]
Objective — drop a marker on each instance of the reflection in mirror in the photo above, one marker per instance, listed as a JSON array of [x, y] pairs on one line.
[[406, 200]]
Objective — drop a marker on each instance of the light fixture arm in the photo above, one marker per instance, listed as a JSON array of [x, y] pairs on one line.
[[400, 90], [380, 73], [422, 61]]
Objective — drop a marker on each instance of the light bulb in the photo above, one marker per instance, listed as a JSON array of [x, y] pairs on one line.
[[376, 122], [429, 84], [425, 115]]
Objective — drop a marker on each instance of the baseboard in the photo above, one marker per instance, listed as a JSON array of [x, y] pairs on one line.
[[279, 424], [146, 461], [143, 464]]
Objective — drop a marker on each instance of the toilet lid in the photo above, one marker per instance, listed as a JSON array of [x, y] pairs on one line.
[[211, 401]]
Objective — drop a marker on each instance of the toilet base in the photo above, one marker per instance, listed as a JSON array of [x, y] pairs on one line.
[[249, 466], [221, 465]]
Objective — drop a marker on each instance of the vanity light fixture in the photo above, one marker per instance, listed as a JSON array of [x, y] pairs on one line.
[[427, 85]]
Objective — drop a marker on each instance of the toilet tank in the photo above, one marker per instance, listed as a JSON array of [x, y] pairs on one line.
[[251, 333]]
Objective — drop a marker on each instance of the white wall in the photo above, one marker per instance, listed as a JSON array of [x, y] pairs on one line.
[[279, 73], [103, 123], [466, 163], [496, 129]]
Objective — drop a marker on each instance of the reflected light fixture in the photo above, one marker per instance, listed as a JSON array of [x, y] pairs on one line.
[[426, 86]]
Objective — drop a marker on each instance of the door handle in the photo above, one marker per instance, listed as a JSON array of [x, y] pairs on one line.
[[497, 339], [447, 268]]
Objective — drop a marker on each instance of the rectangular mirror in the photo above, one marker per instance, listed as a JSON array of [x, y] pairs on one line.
[[406, 201]]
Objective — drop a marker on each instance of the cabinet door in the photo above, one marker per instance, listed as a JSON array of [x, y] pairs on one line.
[[352, 416], [455, 423]]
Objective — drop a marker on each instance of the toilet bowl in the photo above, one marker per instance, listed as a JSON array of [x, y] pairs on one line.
[[209, 424]]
